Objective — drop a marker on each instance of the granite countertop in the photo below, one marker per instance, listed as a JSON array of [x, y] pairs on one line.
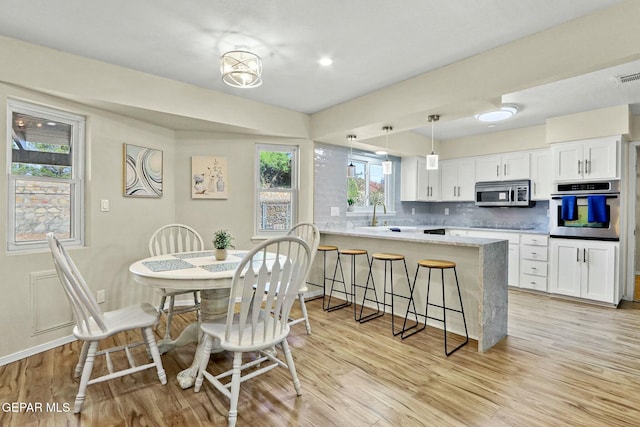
[[415, 236]]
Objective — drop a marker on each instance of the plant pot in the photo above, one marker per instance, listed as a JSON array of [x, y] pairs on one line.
[[221, 254], [349, 208]]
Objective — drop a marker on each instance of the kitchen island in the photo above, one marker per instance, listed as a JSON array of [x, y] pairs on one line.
[[481, 267]]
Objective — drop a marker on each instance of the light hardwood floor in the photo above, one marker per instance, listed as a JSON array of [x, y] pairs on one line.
[[563, 363]]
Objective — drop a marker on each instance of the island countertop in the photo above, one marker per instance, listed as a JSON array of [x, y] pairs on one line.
[[481, 265]]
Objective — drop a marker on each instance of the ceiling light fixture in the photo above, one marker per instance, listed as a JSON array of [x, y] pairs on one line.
[[387, 166], [351, 168], [241, 69], [432, 159], [504, 113], [325, 61]]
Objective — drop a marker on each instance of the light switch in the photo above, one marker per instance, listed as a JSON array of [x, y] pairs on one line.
[[335, 211], [104, 205]]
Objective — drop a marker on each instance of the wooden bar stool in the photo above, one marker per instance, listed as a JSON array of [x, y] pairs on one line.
[[353, 253], [388, 260], [440, 265]]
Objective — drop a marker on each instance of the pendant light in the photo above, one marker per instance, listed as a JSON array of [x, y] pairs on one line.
[[351, 168], [432, 159], [387, 165]]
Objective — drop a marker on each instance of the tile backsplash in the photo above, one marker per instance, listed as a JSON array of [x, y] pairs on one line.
[[330, 163]]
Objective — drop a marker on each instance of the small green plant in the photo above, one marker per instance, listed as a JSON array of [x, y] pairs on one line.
[[350, 201], [222, 240]]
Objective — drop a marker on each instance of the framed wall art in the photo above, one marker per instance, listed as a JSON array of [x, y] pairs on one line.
[[142, 171], [209, 178]]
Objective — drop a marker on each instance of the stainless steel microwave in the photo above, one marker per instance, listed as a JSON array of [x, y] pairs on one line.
[[504, 193]]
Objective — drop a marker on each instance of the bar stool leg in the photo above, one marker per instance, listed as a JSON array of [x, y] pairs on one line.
[[464, 320], [377, 313], [415, 313], [333, 282]]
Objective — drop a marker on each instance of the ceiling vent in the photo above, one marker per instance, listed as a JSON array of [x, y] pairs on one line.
[[627, 78]]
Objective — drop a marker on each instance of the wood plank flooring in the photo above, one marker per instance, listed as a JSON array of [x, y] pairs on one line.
[[563, 364]]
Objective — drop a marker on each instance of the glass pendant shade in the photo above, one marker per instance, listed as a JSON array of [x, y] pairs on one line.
[[351, 170], [432, 161], [241, 69], [387, 167]]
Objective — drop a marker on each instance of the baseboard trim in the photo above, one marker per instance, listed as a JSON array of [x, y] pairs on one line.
[[5, 360]]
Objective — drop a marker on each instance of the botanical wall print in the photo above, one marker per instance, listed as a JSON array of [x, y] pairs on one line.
[[209, 178], [142, 171]]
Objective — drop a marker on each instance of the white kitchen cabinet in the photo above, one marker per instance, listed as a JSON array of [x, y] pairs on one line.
[[419, 184], [584, 269], [596, 158], [457, 179], [541, 174], [503, 166], [533, 261]]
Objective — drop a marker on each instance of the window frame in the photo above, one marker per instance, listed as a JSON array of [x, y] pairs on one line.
[[76, 182], [294, 190], [389, 196]]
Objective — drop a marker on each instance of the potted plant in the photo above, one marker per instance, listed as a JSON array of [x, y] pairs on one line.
[[350, 203], [221, 241]]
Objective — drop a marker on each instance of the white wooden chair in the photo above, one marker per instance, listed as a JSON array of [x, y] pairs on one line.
[[257, 325], [309, 233], [92, 325], [170, 239]]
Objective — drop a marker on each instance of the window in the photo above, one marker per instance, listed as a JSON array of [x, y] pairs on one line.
[[277, 188], [45, 176], [368, 185]]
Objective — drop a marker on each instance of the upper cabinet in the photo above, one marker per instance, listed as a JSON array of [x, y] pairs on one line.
[[590, 159], [418, 183], [503, 166], [457, 179], [541, 176]]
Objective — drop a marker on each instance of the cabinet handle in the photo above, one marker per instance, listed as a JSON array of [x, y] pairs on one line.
[[497, 170], [458, 191], [577, 254], [584, 255], [579, 166], [533, 268], [587, 167], [505, 169]]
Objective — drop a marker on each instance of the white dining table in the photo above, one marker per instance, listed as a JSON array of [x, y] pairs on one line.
[[191, 271]]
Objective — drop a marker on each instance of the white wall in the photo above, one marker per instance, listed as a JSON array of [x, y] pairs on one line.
[[113, 239]]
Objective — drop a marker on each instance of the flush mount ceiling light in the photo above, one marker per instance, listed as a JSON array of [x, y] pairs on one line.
[[504, 113], [432, 159], [387, 168], [351, 168], [241, 69]]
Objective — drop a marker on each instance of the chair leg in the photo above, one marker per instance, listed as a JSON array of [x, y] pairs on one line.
[[303, 308], [206, 354], [81, 359], [86, 375], [235, 388], [167, 333], [292, 367], [160, 310], [150, 341]]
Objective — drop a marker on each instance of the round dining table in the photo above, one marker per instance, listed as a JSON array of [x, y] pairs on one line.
[[191, 271]]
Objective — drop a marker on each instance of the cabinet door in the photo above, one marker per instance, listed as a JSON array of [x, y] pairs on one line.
[[599, 272], [566, 264], [448, 180], [466, 180], [433, 179], [601, 159], [423, 192], [515, 166], [541, 175], [568, 162], [488, 168]]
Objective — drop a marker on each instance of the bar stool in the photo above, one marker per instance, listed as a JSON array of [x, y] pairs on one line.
[[440, 265], [388, 260], [353, 253], [324, 249]]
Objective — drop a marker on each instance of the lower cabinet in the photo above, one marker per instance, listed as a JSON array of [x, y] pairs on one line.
[[533, 261], [584, 269], [513, 277]]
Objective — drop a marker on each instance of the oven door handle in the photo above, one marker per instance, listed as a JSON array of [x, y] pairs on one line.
[[584, 196]]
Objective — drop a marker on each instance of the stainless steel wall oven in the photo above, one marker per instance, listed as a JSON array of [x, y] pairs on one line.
[[586, 210]]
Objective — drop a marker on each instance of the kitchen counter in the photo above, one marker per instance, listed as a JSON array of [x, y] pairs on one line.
[[481, 267]]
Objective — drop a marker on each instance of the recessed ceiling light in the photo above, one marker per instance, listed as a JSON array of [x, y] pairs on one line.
[[381, 152], [504, 113], [326, 61], [51, 123]]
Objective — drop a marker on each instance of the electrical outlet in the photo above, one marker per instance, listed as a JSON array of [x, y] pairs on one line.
[[101, 296], [413, 211], [335, 211], [446, 211]]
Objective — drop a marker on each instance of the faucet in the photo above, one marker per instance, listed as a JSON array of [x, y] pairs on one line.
[[374, 220]]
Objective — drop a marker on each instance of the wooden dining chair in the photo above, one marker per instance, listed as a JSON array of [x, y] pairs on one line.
[[93, 326], [170, 239], [309, 233], [256, 325]]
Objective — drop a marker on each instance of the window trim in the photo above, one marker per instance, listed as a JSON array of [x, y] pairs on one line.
[[78, 143], [295, 187]]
